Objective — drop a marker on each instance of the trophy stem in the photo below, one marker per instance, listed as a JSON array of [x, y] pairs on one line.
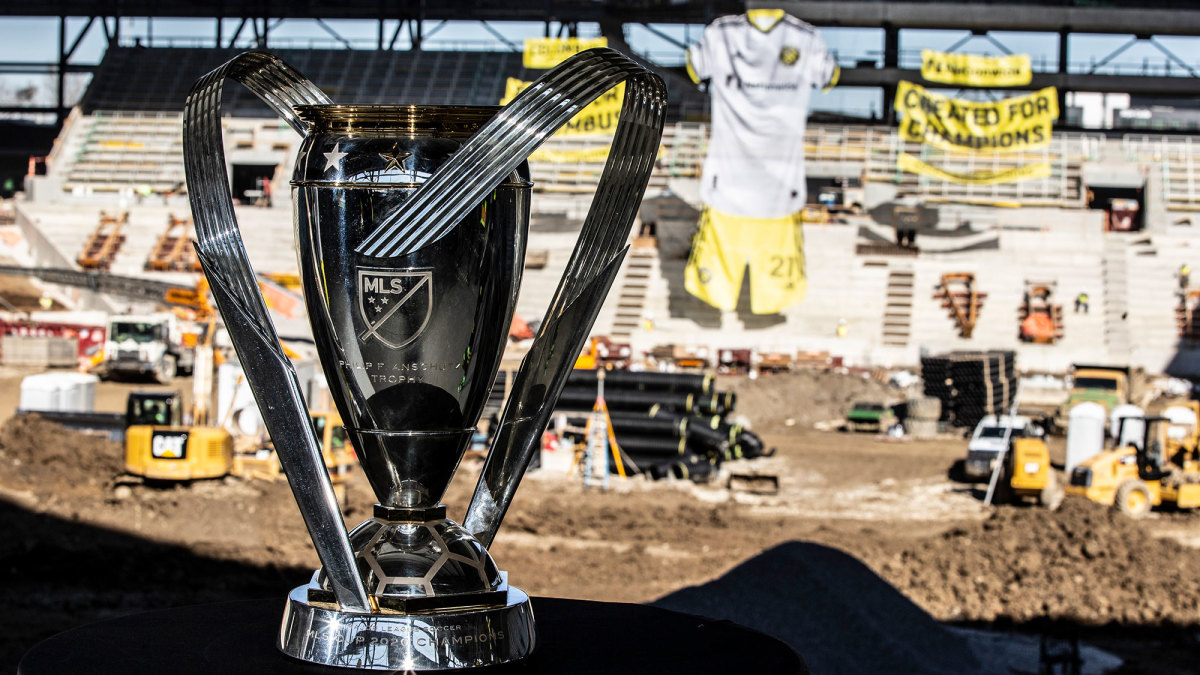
[[409, 469]]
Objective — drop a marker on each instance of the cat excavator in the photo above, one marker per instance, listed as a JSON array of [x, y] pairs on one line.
[[160, 447]]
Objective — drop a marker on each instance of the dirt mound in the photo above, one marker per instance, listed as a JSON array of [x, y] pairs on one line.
[[798, 592], [804, 397], [1084, 563], [33, 449]]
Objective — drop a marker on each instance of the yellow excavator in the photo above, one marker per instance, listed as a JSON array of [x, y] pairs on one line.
[[159, 447], [1163, 467]]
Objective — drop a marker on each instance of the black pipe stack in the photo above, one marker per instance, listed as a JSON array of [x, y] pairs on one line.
[[666, 424], [971, 384]]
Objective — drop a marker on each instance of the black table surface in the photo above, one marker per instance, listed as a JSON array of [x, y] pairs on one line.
[[574, 636]]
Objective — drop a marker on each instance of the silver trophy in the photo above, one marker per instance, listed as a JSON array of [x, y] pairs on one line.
[[411, 224]]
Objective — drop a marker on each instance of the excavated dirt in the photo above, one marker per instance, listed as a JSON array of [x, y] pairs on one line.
[[774, 398], [1084, 563], [32, 449], [82, 543]]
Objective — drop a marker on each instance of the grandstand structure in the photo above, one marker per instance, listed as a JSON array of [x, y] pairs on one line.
[[120, 149]]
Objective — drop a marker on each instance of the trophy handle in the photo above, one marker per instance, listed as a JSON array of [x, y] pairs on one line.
[[231, 278], [481, 163], [536, 387]]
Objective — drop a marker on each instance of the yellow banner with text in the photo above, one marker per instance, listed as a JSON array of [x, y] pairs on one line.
[[1010, 125], [541, 53], [599, 117], [974, 70]]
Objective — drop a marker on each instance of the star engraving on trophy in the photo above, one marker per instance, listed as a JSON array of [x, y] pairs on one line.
[[333, 158], [394, 159]]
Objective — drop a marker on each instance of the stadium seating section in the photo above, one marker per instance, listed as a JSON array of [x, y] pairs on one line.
[[123, 145]]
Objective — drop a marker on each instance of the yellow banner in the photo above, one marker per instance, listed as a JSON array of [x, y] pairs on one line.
[[599, 117], [1011, 125], [906, 162], [973, 70], [543, 53], [595, 155]]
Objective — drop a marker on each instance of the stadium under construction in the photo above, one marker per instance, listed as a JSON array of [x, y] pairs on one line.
[[1112, 221]]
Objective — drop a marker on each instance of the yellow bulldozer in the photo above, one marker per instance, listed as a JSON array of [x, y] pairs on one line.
[[1163, 467]]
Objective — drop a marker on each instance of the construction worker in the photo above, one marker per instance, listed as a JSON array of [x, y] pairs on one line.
[[1081, 301], [1185, 271]]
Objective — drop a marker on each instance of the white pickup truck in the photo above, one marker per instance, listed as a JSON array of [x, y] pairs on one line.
[[988, 440]]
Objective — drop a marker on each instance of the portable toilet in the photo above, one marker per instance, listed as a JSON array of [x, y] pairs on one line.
[[1135, 426], [43, 391], [79, 392], [1085, 432], [1181, 422]]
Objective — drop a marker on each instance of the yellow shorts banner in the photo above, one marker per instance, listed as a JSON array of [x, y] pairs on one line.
[[543, 53], [773, 248], [973, 70], [1011, 125], [906, 162], [599, 117]]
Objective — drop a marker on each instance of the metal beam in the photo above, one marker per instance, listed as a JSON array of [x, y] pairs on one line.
[[1151, 17], [395, 35], [79, 38], [21, 110], [1011, 17], [664, 36], [500, 36], [42, 67], [336, 36], [1130, 84], [237, 32], [61, 79]]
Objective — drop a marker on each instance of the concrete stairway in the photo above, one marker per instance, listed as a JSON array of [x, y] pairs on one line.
[[641, 266], [1154, 295], [1116, 297], [898, 307]]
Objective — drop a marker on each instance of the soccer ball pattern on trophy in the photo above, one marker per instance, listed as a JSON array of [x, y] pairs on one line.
[[437, 557]]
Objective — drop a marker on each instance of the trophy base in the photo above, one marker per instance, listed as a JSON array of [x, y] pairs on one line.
[[437, 640]]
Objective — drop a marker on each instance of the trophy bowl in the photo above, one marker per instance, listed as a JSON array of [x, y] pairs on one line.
[[410, 346]]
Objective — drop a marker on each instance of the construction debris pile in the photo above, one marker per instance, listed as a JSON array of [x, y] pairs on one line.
[[1085, 563], [664, 424], [971, 384]]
